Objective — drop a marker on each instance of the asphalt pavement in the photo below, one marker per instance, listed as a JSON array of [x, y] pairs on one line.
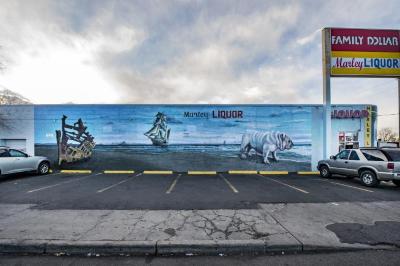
[[181, 191], [183, 213]]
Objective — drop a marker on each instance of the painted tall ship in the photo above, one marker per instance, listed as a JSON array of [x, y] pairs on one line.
[[159, 133]]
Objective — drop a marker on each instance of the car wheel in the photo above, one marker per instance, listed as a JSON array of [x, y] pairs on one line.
[[368, 178], [324, 171], [396, 182], [44, 168]]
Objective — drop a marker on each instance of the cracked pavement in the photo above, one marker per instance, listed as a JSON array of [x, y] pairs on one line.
[[296, 224], [24, 222]]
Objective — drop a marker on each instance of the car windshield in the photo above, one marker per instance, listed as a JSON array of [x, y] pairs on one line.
[[393, 154], [3, 153], [343, 155], [15, 153]]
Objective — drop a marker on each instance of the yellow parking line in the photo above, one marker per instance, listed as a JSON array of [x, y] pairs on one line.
[[119, 171], [282, 183], [273, 172], [158, 172], [242, 172], [202, 172], [308, 173], [173, 184], [76, 171], [229, 184]]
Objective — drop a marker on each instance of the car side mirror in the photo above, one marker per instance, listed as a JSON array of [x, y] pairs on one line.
[[333, 157]]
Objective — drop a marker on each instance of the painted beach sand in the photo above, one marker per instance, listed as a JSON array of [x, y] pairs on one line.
[[182, 158]]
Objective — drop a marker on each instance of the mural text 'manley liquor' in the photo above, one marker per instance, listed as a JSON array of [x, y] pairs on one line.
[[224, 114]]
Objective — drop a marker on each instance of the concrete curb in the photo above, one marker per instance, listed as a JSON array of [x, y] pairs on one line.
[[162, 247], [210, 247], [139, 248]]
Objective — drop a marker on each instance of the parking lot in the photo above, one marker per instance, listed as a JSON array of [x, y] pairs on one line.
[[184, 191]]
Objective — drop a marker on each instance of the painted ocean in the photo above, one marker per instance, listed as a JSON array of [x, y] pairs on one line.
[[299, 153]]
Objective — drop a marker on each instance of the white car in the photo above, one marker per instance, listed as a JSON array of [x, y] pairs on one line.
[[15, 161]]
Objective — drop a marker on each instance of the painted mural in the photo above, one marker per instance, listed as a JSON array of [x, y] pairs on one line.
[[74, 142], [175, 137]]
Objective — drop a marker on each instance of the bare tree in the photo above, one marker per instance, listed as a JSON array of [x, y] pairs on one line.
[[387, 135]]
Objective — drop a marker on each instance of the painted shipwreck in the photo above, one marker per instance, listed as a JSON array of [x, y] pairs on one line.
[[74, 142], [159, 133]]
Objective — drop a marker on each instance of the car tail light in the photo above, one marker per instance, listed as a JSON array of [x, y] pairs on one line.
[[390, 166]]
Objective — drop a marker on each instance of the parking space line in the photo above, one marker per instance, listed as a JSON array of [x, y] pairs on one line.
[[173, 184], [118, 172], [273, 172], [308, 173], [76, 171], [242, 172], [229, 184], [116, 184], [282, 183], [61, 183], [157, 172], [345, 185], [20, 180], [202, 172]]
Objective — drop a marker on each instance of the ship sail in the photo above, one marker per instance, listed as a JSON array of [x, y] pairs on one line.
[[159, 133]]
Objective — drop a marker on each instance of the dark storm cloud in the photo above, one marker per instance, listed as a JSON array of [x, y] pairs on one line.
[[179, 51]]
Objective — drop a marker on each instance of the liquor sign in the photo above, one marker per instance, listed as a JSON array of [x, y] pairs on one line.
[[368, 128], [363, 52], [349, 114]]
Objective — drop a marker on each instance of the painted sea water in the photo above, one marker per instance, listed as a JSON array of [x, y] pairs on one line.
[[299, 153]]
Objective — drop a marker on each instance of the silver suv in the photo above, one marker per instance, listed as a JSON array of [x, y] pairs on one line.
[[372, 165], [15, 161]]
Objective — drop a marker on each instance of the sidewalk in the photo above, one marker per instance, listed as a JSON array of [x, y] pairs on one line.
[[271, 228]]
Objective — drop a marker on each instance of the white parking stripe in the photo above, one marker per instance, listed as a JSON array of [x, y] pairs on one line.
[[345, 185], [173, 184], [229, 184], [62, 183], [116, 184], [282, 183], [20, 180]]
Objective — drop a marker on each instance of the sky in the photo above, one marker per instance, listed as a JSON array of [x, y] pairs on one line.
[[222, 52]]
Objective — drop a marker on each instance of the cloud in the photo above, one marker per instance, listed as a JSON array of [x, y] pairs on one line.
[[309, 38], [182, 51]]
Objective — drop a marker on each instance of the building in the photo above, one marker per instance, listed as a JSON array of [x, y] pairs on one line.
[[184, 137]]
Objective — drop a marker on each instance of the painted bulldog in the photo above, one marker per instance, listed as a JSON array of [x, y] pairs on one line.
[[264, 143]]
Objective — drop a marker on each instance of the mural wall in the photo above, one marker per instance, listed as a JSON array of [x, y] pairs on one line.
[[175, 137]]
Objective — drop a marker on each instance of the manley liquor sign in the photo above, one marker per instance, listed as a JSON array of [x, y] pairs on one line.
[[364, 52]]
